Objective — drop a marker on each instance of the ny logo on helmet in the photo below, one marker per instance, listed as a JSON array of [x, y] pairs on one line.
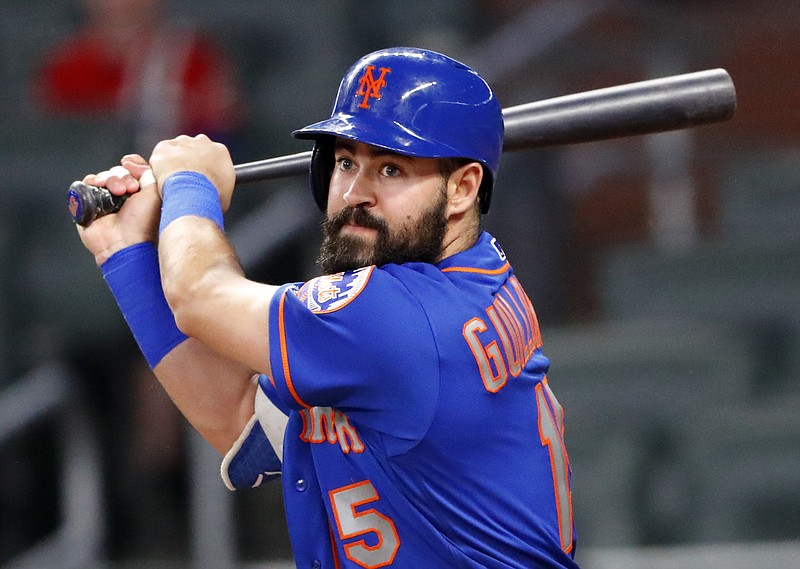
[[369, 87]]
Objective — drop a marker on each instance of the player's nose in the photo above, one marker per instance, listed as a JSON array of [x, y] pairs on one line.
[[359, 192]]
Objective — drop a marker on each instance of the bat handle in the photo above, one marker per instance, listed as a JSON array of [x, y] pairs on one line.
[[86, 203]]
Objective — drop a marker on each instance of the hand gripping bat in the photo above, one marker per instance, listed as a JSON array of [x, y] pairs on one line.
[[644, 107]]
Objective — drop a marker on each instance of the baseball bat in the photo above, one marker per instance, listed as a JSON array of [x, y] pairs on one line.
[[644, 107]]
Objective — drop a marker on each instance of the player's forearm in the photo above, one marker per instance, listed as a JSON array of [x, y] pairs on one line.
[[196, 263], [133, 277], [209, 295], [215, 394]]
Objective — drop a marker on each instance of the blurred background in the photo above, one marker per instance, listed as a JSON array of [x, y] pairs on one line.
[[665, 269]]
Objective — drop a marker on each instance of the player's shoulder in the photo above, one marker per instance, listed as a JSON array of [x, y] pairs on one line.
[[370, 286]]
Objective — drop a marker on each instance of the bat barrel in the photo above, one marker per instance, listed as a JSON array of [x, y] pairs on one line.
[[271, 168], [657, 105]]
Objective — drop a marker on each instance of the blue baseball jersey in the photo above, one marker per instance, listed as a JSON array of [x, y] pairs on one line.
[[411, 420]]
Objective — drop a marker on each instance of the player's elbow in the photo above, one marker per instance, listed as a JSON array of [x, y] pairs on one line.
[[185, 320], [186, 298]]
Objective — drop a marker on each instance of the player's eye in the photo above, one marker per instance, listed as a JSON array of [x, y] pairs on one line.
[[390, 170], [344, 163]]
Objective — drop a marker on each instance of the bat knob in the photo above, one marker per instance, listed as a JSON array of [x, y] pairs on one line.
[[86, 203]]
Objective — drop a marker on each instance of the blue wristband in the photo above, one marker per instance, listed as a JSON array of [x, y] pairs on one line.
[[189, 193], [134, 278]]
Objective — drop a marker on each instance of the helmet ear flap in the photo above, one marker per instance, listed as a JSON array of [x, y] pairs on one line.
[[322, 162], [485, 191]]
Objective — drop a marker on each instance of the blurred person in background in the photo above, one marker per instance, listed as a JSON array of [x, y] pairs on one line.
[[159, 76]]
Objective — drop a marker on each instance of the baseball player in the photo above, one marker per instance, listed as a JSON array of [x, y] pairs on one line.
[[402, 396]]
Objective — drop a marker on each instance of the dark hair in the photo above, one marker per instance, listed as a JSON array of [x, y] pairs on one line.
[[449, 165]]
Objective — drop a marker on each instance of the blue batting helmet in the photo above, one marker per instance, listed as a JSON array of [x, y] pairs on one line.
[[413, 102]]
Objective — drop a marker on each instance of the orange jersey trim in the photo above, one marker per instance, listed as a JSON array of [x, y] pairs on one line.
[[284, 353], [501, 270]]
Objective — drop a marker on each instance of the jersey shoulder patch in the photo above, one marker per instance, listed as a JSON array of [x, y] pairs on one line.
[[330, 293]]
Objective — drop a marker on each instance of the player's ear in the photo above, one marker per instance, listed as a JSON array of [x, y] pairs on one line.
[[462, 188]]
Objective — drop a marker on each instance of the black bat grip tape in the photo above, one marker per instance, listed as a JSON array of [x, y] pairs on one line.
[[86, 203]]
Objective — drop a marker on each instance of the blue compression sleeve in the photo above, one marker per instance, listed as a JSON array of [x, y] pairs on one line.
[[134, 278]]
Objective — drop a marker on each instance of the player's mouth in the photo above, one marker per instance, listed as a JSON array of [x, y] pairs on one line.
[[356, 221], [357, 229]]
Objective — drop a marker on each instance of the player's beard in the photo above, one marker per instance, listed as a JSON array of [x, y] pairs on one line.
[[416, 242]]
